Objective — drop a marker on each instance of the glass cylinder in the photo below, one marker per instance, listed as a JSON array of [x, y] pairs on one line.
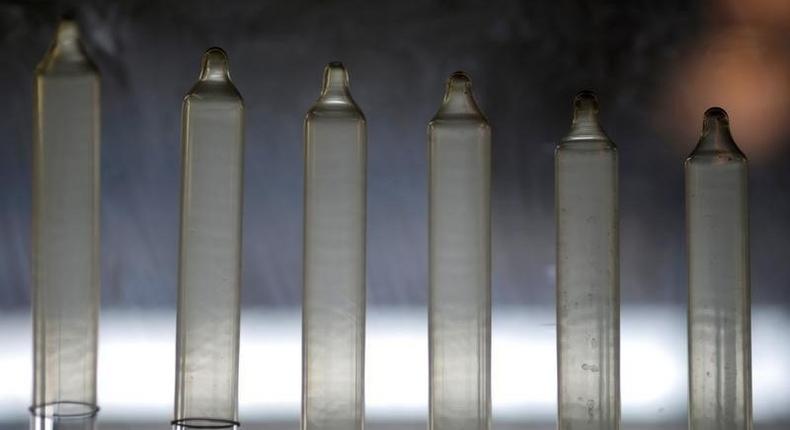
[[719, 297], [459, 146], [207, 352], [333, 314], [65, 228], [588, 323]]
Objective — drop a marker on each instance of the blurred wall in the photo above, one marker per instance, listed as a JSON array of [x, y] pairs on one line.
[[656, 66]]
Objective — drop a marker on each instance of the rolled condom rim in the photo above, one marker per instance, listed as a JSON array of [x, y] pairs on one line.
[[50, 410], [205, 423]]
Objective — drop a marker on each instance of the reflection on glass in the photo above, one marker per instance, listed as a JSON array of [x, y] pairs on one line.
[[459, 145], [62, 422], [65, 231], [334, 259], [719, 298], [587, 274], [207, 353]]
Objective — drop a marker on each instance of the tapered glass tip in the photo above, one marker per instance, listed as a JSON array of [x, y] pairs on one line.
[[335, 77], [215, 65], [459, 86], [66, 54], [716, 137], [458, 98], [585, 124], [458, 83], [715, 118], [67, 31], [585, 104]]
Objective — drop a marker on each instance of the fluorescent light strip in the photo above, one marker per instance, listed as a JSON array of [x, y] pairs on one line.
[[137, 361]]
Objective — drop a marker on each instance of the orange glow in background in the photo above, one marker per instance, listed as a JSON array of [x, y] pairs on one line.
[[742, 65]]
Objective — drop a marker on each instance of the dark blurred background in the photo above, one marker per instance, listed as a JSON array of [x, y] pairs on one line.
[[655, 65]]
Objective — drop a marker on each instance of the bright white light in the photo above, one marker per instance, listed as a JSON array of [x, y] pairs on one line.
[[396, 364], [653, 363], [16, 367], [136, 370], [648, 375], [270, 365], [137, 362], [771, 363]]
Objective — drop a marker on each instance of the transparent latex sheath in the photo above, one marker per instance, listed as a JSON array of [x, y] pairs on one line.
[[719, 305], [210, 259], [65, 228], [460, 292], [334, 267], [587, 285]]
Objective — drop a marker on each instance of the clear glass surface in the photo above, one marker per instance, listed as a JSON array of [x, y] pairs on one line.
[[87, 422], [587, 274], [65, 241], [333, 312], [459, 145], [719, 298], [207, 353]]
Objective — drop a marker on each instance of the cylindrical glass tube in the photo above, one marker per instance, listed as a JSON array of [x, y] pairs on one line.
[[588, 326], [333, 314], [719, 298], [65, 228], [207, 352], [459, 147]]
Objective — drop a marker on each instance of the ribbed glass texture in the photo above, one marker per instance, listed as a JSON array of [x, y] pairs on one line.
[[719, 298], [333, 337], [207, 352], [65, 229], [587, 274], [459, 145]]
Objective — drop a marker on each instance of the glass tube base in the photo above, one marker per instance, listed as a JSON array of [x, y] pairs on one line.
[[64, 410], [63, 416], [204, 423]]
